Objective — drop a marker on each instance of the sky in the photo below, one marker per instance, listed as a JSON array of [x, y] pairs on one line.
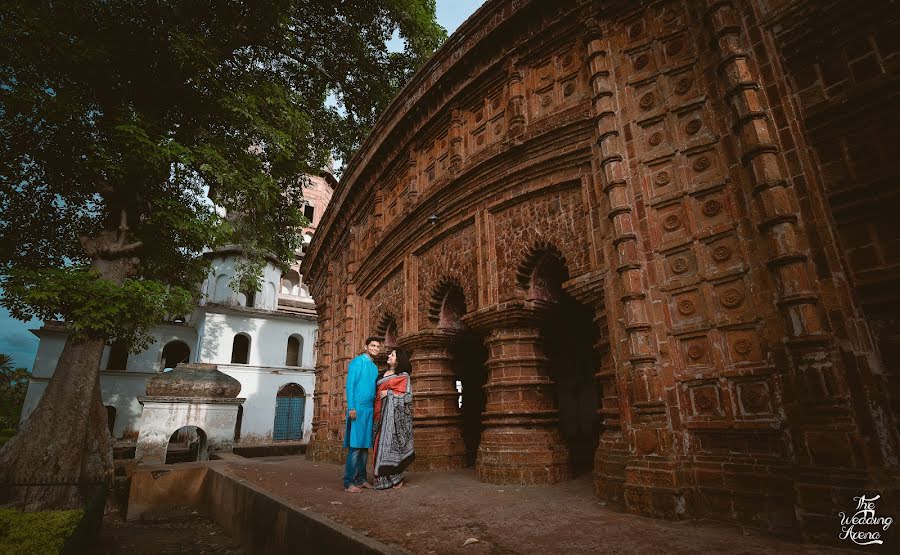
[[18, 342]]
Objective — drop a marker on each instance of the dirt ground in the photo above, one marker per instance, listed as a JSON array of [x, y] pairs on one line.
[[192, 534], [451, 512]]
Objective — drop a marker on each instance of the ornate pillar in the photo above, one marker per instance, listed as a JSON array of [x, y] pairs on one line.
[[654, 482], [521, 442], [437, 419], [457, 121], [515, 107], [828, 432]]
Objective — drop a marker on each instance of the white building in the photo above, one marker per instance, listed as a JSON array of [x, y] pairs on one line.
[[265, 340]]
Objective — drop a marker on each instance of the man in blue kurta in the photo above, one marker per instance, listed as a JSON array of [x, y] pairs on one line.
[[361, 378]]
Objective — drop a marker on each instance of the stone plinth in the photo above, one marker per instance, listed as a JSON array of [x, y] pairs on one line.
[[162, 416]]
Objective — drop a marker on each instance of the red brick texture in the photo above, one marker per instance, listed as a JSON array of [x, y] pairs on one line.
[[701, 177]]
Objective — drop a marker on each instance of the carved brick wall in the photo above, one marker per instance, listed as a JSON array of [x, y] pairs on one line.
[[556, 217], [722, 191]]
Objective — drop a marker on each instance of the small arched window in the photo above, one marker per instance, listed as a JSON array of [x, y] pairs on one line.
[[240, 349], [175, 352], [222, 292], [294, 351]]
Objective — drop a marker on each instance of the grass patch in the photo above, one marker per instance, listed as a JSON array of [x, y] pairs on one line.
[[36, 532]]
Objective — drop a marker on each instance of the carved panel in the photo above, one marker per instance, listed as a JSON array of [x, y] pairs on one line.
[[453, 258], [712, 211], [704, 400], [557, 217], [555, 82], [679, 266], [663, 180], [687, 308], [433, 160], [696, 351], [743, 346], [486, 121], [722, 254], [753, 399], [386, 300]]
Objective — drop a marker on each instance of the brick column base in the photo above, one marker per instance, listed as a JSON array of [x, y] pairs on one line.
[[437, 419], [521, 443]]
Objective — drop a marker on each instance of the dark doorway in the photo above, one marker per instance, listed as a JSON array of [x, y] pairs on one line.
[[469, 357], [569, 334]]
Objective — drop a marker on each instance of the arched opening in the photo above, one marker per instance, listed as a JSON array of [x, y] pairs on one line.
[[290, 404], [569, 334], [269, 297], [249, 298], [118, 356], [187, 444], [387, 330], [294, 355], [222, 291], [174, 353], [390, 337], [448, 305], [290, 283], [111, 418], [237, 424], [469, 357], [240, 349]]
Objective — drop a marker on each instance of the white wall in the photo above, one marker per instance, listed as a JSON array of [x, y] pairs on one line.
[[50, 347], [268, 338], [118, 389], [218, 289], [150, 360], [259, 386]]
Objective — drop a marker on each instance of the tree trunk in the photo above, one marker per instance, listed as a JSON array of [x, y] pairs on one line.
[[63, 452]]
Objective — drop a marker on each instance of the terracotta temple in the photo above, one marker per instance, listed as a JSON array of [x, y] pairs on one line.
[[655, 242]]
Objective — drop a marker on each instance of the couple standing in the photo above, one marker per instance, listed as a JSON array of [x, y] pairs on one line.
[[379, 406]]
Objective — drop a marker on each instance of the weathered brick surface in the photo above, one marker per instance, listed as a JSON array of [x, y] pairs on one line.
[[713, 181]]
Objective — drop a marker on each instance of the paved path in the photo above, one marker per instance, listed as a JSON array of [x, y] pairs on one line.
[[438, 512]]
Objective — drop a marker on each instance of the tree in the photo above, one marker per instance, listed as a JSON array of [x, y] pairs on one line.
[[124, 125], [13, 386]]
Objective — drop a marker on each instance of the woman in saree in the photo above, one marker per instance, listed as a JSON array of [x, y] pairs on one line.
[[393, 443]]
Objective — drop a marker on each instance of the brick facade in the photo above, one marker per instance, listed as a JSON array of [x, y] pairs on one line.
[[655, 238]]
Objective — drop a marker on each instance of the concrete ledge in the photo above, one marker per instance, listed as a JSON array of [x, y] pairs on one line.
[[266, 523]]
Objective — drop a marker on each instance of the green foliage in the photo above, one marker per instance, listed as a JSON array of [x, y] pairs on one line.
[[13, 386], [93, 307], [36, 532], [146, 118]]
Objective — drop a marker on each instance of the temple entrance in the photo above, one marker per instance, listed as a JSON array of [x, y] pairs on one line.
[[469, 355], [569, 333]]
